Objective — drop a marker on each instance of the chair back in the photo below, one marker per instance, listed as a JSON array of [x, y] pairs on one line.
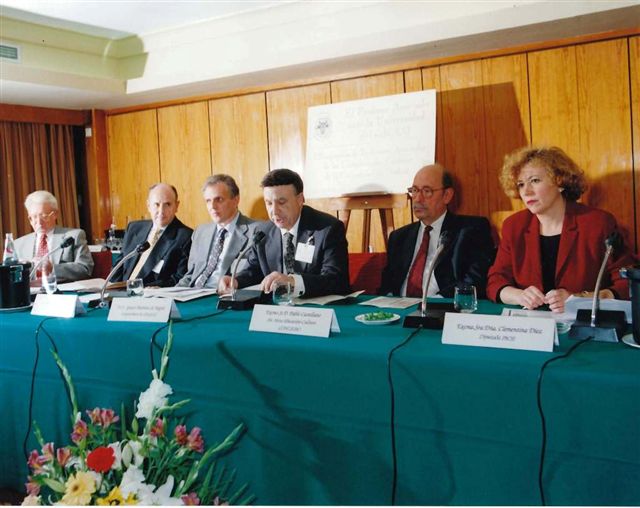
[[101, 264], [365, 270]]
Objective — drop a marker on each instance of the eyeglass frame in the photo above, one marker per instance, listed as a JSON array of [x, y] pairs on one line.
[[426, 192], [41, 216]]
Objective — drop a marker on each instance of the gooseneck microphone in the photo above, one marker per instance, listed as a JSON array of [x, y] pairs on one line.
[[66, 242], [245, 299], [444, 243], [139, 249], [600, 325]]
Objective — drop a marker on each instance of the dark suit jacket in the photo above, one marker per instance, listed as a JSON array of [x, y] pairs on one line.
[[328, 272], [465, 260], [172, 247], [580, 253]]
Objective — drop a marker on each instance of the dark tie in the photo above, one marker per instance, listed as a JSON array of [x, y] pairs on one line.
[[212, 263], [414, 282], [289, 254]]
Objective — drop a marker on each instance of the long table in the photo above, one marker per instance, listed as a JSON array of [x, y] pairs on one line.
[[318, 410]]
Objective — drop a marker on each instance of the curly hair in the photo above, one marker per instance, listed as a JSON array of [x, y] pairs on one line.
[[559, 166]]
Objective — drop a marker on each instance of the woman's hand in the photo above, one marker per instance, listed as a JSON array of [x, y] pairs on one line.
[[531, 298], [555, 299]]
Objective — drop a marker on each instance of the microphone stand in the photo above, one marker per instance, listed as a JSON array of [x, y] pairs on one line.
[[67, 242], [139, 249], [599, 325]]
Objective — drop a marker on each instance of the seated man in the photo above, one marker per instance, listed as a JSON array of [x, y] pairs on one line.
[[303, 246], [465, 260], [215, 245], [69, 264], [165, 262]]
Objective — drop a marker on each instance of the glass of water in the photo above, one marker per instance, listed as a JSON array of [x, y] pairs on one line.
[[49, 279], [135, 287], [282, 293], [465, 298]]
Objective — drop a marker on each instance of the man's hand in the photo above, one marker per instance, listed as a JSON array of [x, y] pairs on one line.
[[224, 285], [268, 282]]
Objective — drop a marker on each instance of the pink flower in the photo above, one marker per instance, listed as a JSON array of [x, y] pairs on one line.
[[94, 415], [33, 488], [195, 441], [181, 435], [63, 455], [107, 417], [80, 432], [191, 499], [35, 461], [47, 451], [157, 430]]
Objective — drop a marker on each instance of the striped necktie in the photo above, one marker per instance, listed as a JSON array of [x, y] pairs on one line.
[[213, 261]]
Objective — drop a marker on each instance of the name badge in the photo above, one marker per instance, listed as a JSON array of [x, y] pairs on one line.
[[304, 252], [533, 334], [65, 306], [294, 320], [140, 309]]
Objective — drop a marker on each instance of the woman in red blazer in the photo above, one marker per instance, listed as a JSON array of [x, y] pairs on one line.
[[555, 247]]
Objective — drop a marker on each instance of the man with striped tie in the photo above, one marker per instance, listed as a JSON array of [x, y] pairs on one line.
[[215, 245], [165, 261]]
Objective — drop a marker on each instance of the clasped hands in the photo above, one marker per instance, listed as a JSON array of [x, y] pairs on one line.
[[532, 298], [267, 284]]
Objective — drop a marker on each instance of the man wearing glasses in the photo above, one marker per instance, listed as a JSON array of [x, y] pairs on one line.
[[69, 264], [466, 258]]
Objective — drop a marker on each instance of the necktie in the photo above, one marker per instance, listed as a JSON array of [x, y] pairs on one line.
[[212, 263], [41, 252], [289, 254], [414, 282], [145, 255]]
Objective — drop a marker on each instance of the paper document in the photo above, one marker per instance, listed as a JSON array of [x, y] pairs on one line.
[[82, 285], [392, 302], [557, 316], [179, 294], [574, 303], [324, 300]]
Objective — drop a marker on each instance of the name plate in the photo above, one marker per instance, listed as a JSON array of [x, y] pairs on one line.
[[138, 308], [532, 334], [294, 320], [66, 306]]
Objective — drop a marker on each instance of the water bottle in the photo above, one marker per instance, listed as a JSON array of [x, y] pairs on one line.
[[111, 237], [9, 256]]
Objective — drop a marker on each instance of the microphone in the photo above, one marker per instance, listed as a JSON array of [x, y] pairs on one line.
[[432, 317], [600, 325], [243, 299], [66, 242], [139, 248]]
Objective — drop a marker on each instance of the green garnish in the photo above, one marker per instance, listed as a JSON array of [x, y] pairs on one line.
[[378, 316]]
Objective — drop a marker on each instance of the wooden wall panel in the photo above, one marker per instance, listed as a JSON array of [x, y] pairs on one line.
[[287, 121], [134, 163], [185, 161], [239, 146], [605, 128], [464, 134], [634, 70], [364, 88], [430, 81]]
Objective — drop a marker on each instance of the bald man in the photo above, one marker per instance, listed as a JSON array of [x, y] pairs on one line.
[[466, 258], [165, 262]]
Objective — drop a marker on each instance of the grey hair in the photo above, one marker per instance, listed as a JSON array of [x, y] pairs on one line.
[[40, 197]]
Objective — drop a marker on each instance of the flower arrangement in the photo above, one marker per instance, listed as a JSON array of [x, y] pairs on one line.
[[161, 463]]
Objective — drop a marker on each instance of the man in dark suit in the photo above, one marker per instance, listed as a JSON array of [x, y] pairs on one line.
[[303, 246], [165, 262], [468, 252], [216, 244]]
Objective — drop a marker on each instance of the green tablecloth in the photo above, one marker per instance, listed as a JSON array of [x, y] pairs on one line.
[[318, 411]]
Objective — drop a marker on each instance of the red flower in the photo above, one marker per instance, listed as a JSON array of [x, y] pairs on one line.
[[80, 432], [195, 441], [63, 455], [157, 430], [107, 417], [33, 488], [181, 434], [35, 461], [190, 499], [101, 459]]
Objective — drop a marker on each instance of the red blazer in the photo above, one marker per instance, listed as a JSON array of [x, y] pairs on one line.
[[580, 253]]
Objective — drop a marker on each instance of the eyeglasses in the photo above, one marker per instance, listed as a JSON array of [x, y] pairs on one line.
[[41, 216], [426, 192]]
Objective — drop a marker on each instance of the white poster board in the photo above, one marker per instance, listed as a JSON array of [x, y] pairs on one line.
[[370, 146]]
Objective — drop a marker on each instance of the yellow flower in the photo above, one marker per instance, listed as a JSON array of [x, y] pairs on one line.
[[79, 488], [115, 498]]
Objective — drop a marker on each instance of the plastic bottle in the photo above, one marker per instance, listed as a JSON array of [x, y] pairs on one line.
[[111, 237], [9, 255]]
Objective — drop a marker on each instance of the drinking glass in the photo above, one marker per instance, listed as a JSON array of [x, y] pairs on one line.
[[282, 293], [465, 298], [135, 287], [49, 280]]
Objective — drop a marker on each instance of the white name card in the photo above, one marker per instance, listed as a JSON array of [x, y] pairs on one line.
[[66, 306], [294, 320], [533, 334], [138, 308]]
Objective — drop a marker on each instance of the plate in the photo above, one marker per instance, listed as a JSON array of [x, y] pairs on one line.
[[16, 309], [360, 318], [630, 341]]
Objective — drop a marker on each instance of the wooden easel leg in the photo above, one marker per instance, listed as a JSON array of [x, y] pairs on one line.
[[386, 219], [366, 229]]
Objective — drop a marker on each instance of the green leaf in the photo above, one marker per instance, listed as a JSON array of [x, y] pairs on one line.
[[54, 485], [69, 382]]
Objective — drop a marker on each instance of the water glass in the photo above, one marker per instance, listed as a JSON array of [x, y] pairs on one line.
[[49, 279], [282, 293], [135, 287], [465, 298]]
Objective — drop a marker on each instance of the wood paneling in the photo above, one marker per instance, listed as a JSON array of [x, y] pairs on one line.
[[98, 176], [605, 128], [134, 163], [185, 162], [287, 121], [634, 70], [431, 81], [239, 146], [32, 114], [364, 88], [464, 134]]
